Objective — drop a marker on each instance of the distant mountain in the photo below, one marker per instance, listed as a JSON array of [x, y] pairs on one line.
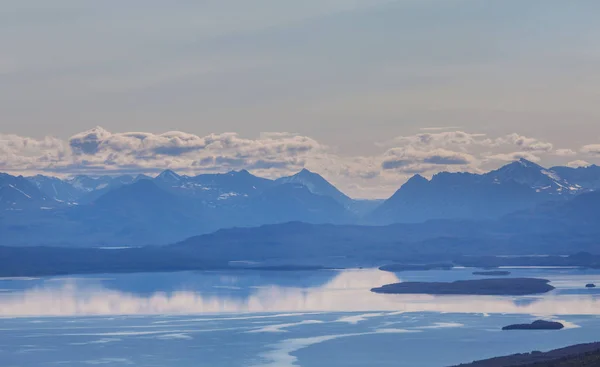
[[17, 193], [169, 178], [580, 213], [453, 196], [85, 183], [141, 210], [214, 188], [317, 185], [56, 188], [542, 180], [585, 177], [80, 189], [92, 188], [514, 187], [294, 202], [141, 213]]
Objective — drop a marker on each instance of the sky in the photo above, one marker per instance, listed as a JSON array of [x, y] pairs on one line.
[[365, 92]]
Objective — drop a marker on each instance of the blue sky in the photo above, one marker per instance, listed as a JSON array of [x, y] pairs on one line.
[[352, 83]]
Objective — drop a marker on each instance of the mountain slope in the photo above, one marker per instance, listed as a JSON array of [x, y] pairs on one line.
[[294, 202], [586, 177], [542, 180], [214, 188], [56, 188], [453, 196], [17, 193], [141, 213], [317, 185]]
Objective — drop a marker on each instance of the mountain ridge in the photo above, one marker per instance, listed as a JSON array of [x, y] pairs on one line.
[[128, 210]]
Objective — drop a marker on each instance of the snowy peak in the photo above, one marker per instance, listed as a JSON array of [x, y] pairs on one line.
[[17, 193], [306, 173], [55, 188], [585, 177], [213, 188], [527, 163], [533, 175], [241, 173], [88, 184]]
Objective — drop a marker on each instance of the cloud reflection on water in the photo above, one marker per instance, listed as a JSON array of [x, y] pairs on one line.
[[346, 292]]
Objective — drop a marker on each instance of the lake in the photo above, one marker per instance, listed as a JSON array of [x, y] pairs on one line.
[[280, 319]]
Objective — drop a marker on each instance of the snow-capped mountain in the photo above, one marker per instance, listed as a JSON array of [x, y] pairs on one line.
[[89, 184], [542, 180], [454, 196], [145, 209], [516, 186], [17, 193], [56, 188], [214, 188], [587, 177]]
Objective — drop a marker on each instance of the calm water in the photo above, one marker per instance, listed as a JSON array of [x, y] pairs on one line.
[[252, 318]]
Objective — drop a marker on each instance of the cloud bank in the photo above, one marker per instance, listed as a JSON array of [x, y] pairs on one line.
[[275, 154]]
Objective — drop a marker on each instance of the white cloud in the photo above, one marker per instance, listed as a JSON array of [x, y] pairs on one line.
[[526, 143], [272, 155], [509, 157], [591, 149], [578, 163], [441, 139], [410, 159], [565, 152]]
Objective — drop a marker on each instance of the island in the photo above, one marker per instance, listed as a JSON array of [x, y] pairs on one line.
[[493, 273], [395, 268], [591, 285], [536, 325], [483, 287]]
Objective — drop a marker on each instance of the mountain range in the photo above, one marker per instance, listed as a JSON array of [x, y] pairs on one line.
[[140, 210], [553, 230]]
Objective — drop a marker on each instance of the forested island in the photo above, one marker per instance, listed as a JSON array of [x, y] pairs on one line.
[[492, 273], [536, 325], [483, 287], [396, 268]]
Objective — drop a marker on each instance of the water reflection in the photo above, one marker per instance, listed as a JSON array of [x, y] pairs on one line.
[[233, 293]]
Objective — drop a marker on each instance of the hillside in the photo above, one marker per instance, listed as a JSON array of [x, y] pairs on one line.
[[584, 355]]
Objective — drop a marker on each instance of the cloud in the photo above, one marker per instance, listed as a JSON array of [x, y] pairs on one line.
[[272, 154], [99, 151], [593, 149], [89, 142], [411, 160], [183, 151], [23, 152], [565, 152], [578, 163], [526, 143], [509, 157], [441, 139]]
